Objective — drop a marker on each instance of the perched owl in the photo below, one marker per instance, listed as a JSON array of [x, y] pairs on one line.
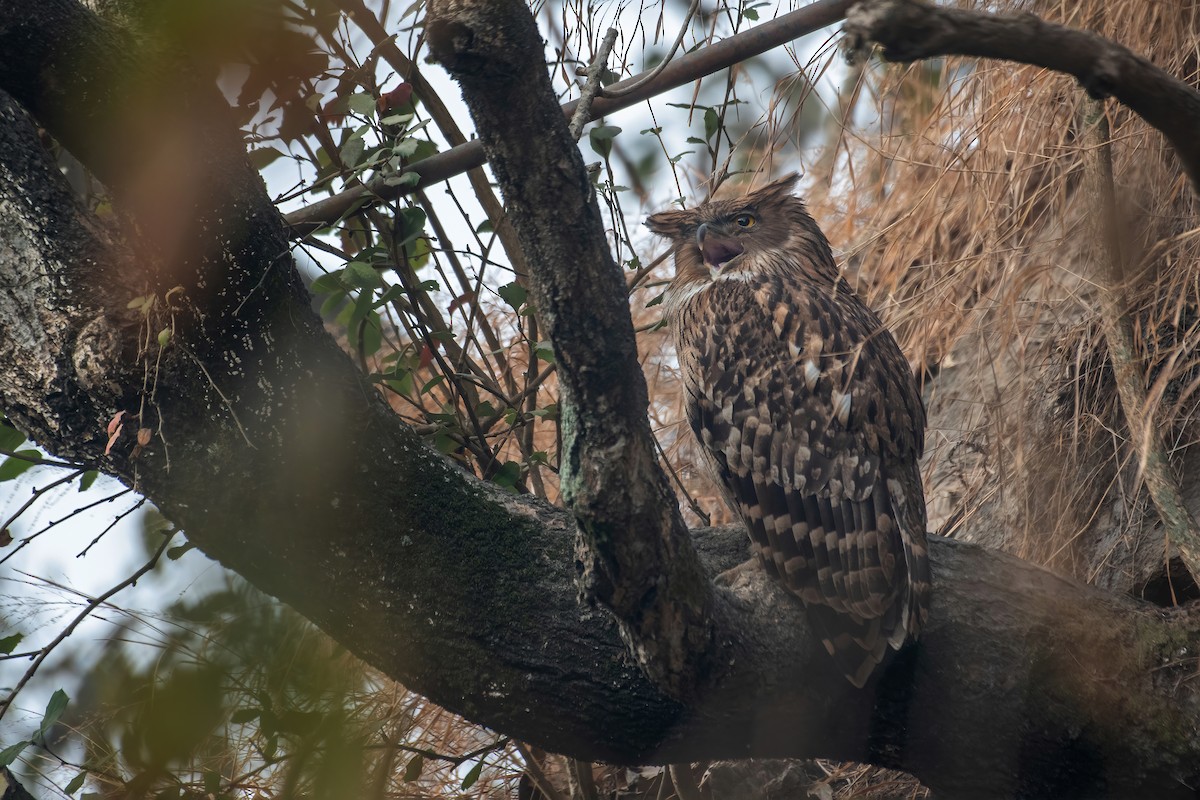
[[808, 414]]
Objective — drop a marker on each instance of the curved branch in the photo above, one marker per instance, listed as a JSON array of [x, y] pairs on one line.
[[909, 30]]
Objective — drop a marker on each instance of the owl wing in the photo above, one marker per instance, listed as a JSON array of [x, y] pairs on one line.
[[813, 423]]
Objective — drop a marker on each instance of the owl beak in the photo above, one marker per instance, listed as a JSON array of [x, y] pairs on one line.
[[717, 250]]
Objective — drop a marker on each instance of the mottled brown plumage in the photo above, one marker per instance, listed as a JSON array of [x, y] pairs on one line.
[[808, 414]]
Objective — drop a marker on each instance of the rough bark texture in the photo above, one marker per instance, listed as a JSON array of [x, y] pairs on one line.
[[279, 460], [635, 558]]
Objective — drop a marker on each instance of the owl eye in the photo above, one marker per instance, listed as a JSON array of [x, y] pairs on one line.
[[745, 220]]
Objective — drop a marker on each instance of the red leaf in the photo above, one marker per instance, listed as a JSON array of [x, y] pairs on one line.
[[426, 356], [467, 297], [115, 423], [396, 98], [112, 438]]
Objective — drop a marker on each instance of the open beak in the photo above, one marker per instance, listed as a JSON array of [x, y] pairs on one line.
[[716, 250]]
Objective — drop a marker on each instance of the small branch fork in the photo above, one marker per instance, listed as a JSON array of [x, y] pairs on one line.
[[588, 93], [909, 30]]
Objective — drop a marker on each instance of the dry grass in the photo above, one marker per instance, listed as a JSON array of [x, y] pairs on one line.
[[965, 222]]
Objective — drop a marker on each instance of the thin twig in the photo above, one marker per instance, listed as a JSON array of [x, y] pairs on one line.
[[592, 85], [42, 462], [92, 605], [642, 80]]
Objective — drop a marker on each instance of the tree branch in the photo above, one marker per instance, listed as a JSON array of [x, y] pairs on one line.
[[909, 30], [638, 558], [685, 69]]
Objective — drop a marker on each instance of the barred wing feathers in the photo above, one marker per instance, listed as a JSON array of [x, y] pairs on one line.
[[812, 421]]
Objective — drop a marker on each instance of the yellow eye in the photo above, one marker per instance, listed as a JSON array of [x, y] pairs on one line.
[[745, 220]]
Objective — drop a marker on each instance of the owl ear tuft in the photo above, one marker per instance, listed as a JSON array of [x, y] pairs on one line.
[[778, 189], [669, 223]]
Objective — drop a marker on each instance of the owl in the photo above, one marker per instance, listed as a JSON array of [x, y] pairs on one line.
[[808, 415]]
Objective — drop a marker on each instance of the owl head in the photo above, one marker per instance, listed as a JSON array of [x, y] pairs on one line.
[[768, 230]]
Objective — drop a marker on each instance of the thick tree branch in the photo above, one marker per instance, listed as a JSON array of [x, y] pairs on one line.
[[909, 30], [1024, 683], [638, 559], [684, 69]]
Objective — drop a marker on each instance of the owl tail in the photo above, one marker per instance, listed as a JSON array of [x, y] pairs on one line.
[[857, 645]]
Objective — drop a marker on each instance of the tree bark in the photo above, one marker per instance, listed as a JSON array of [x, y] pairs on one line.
[[279, 459]]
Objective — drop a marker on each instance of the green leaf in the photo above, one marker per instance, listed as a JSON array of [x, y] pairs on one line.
[[750, 14], [12, 467], [352, 315], [545, 352], [410, 223], [262, 156], [164, 337], [76, 783], [508, 475], [396, 119], [600, 138], [546, 412], [412, 770], [392, 293], [369, 336], [331, 304], [361, 103], [175, 553], [362, 276], [712, 123], [330, 282], [514, 294], [485, 409], [402, 385], [54, 710], [473, 775], [244, 715], [10, 437], [405, 147], [10, 754], [484, 227], [352, 151], [406, 179], [212, 783], [9, 643], [87, 479]]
